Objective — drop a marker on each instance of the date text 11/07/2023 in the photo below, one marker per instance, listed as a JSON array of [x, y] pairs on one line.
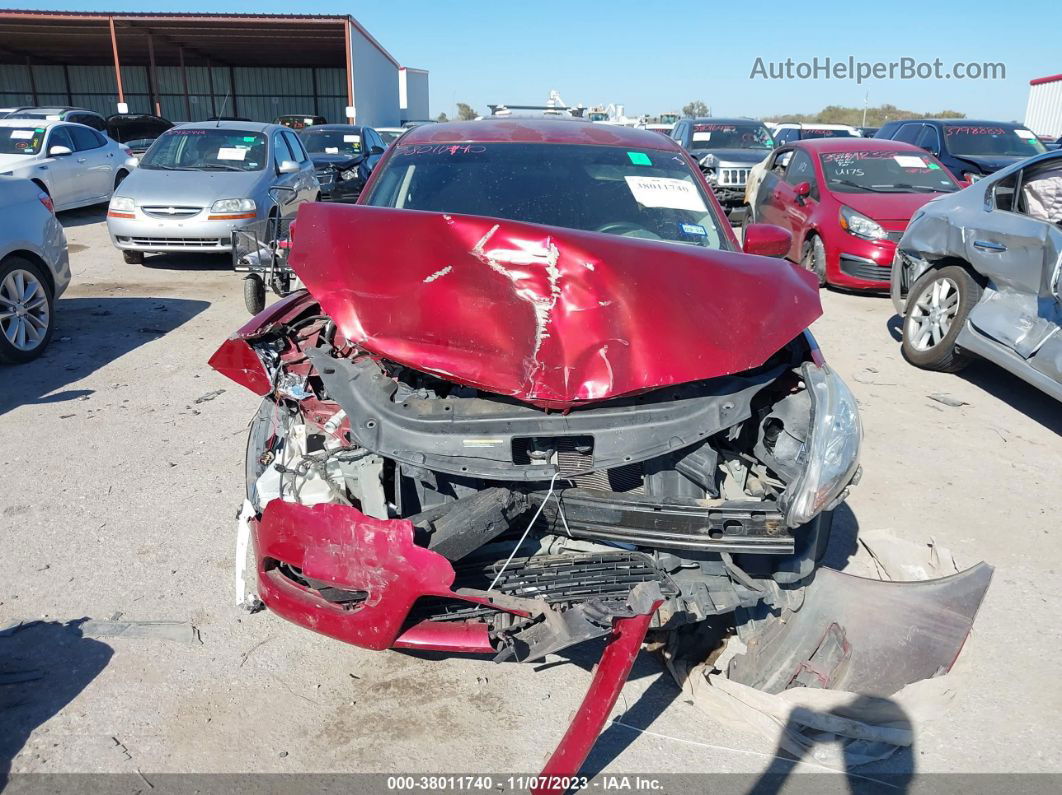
[[522, 783]]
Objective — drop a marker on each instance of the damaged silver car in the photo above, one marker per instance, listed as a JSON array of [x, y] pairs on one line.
[[977, 274]]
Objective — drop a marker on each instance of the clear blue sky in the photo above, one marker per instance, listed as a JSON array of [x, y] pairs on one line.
[[655, 57]]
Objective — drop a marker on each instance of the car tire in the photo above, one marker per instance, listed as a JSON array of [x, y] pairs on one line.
[[254, 293], [813, 257], [133, 257], [24, 334], [937, 307]]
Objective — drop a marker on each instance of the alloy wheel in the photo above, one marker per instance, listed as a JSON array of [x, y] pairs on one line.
[[24, 314], [931, 316]]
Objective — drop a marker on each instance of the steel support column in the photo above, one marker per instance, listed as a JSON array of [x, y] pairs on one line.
[[350, 69], [153, 78], [33, 81], [117, 67], [184, 81]]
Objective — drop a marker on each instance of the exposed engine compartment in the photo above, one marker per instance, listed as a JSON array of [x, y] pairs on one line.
[[684, 486]]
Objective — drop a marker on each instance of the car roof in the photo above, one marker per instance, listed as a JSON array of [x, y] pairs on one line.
[[820, 145], [334, 127], [31, 122], [54, 109], [544, 131], [253, 126], [814, 125]]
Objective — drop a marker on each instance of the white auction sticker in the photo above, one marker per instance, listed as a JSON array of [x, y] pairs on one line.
[[673, 194], [1024, 134], [232, 153], [910, 161], [350, 139], [22, 133], [307, 121], [702, 136], [331, 150]]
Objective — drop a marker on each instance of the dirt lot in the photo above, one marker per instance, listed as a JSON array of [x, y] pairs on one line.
[[120, 493]]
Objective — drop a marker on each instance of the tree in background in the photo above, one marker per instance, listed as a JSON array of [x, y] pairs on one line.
[[466, 112], [441, 117], [838, 114], [694, 109]]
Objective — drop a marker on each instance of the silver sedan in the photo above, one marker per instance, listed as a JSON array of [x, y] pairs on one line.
[[979, 273], [74, 164], [34, 269]]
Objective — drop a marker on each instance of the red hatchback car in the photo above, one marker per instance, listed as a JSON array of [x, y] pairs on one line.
[[847, 202]]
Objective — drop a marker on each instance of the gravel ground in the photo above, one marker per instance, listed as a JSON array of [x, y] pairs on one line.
[[119, 497]]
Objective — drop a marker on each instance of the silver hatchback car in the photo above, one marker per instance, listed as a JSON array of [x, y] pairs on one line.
[[201, 180]]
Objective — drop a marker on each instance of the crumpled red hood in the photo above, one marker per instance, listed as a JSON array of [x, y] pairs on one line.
[[550, 316]]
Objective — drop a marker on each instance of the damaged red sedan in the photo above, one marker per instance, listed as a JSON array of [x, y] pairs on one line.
[[535, 393]]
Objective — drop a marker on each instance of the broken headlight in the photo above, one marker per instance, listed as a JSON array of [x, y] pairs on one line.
[[830, 456], [349, 174]]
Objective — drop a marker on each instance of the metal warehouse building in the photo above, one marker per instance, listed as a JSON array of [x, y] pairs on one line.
[[1043, 115], [189, 67]]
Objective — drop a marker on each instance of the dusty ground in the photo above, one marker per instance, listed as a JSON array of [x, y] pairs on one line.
[[119, 496]]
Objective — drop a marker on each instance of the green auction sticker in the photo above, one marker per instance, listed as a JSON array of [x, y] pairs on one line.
[[249, 138], [640, 158], [934, 166]]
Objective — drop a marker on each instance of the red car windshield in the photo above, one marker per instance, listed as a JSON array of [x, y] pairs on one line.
[[884, 172], [648, 194]]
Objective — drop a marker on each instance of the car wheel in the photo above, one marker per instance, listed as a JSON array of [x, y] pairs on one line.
[[937, 308], [253, 293], [119, 177], [26, 304], [814, 258], [133, 257]]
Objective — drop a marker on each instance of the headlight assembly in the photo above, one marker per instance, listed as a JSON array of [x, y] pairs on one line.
[[233, 206], [831, 452], [857, 224], [348, 174], [122, 204]]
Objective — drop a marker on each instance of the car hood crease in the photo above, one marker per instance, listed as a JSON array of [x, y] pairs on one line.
[[550, 316]]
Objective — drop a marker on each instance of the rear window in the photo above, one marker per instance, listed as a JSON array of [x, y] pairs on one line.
[[21, 140], [647, 194]]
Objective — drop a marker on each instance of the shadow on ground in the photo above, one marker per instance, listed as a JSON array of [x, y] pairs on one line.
[[44, 665], [188, 262], [89, 334], [83, 216]]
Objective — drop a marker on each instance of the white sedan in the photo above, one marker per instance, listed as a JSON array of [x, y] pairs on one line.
[[74, 164]]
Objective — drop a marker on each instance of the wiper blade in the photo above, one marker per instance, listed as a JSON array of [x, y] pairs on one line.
[[849, 182], [924, 188], [219, 166], [161, 167]]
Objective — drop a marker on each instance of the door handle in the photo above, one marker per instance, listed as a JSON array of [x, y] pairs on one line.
[[988, 245], [81, 159]]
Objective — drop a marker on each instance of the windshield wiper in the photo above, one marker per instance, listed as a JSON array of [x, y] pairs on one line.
[[849, 182], [161, 167], [923, 188], [218, 165]]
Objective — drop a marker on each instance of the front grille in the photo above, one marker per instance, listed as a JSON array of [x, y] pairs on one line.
[[894, 235], [563, 579], [177, 213], [182, 242], [861, 269], [733, 177]]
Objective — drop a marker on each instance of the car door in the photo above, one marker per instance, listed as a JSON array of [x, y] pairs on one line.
[[307, 182], [375, 150], [62, 171], [768, 210], [95, 161], [1022, 257]]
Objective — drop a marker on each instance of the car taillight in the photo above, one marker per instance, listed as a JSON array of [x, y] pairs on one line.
[[46, 200]]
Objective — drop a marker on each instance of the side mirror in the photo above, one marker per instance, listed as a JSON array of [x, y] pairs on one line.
[[59, 151], [802, 190], [766, 240], [287, 167], [376, 150], [132, 162]]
